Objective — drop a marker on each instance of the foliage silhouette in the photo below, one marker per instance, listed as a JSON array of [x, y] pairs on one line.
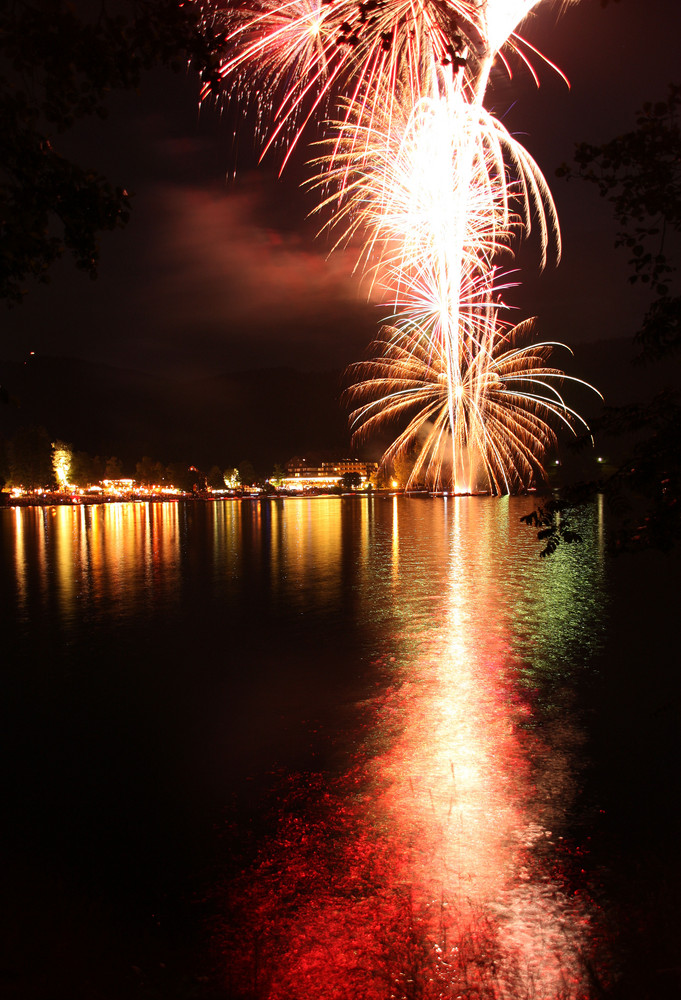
[[59, 63], [640, 174]]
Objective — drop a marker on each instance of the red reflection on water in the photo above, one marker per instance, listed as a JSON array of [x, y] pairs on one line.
[[431, 870], [331, 909], [418, 875], [463, 812]]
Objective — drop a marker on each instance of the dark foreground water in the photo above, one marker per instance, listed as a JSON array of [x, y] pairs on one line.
[[335, 748]]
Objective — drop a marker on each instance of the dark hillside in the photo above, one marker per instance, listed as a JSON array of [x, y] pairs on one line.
[[265, 416]]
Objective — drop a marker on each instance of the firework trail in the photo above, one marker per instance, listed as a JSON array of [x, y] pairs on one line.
[[436, 191]]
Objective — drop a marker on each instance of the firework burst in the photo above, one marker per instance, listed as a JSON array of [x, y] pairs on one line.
[[440, 185], [506, 405], [296, 57], [435, 190]]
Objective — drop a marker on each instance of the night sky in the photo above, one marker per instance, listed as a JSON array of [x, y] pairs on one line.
[[215, 274]]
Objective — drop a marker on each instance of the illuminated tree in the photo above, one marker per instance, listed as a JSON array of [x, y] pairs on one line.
[[62, 458], [247, 473], [381, 478], [231, 479], [402, 466], [278, 473]]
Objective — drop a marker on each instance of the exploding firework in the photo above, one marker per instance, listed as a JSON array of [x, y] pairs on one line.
[[440, 190], [295, 57], [435, 190], [506, 403]]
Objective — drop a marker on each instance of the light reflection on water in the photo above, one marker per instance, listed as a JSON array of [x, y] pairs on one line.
[[103, 556], [470, 790], [457, 793], [467, 783]]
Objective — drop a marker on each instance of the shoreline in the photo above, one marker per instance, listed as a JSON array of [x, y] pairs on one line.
[[62, 500], [69, 500]]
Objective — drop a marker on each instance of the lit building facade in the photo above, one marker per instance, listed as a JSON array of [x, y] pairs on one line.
[[328, 475]]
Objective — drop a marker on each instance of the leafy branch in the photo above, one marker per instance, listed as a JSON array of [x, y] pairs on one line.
[[639, 173], [59, 63]]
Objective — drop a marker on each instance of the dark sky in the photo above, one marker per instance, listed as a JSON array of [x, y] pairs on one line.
[[215, 276]]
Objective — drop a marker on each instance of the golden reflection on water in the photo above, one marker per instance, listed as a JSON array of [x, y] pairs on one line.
[[115, 555], [311, 537], [395, 540], [226, 537]]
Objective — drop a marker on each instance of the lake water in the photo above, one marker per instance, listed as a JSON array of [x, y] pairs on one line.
[[335, 748]]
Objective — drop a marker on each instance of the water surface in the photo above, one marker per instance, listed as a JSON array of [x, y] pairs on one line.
[[312, 748]]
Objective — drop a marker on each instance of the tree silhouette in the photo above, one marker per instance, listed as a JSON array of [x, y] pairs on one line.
[[640, 174], [59, 63]]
